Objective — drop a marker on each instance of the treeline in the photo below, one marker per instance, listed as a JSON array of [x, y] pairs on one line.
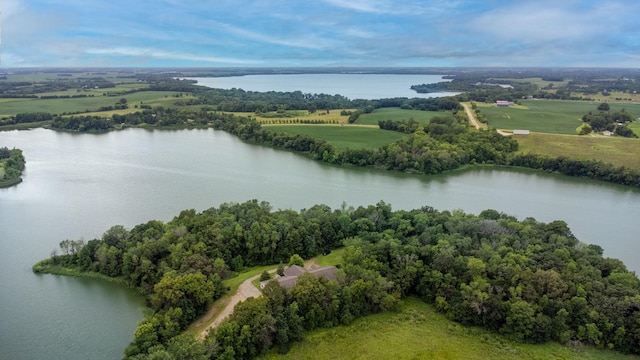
[[157, 116], [22, 88], [11, 166], [592, 169], [23, 118], [529, 280]]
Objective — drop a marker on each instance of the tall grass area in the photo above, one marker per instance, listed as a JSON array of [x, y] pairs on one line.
[[398, 114], [417, 331], [546, 116], [342, 137], [615, 150]]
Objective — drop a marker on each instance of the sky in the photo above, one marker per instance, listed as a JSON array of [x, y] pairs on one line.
[[294, 33]]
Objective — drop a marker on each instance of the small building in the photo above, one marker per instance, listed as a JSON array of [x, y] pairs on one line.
[[504, 103], [607, 133], [292, 272], [520, 132]]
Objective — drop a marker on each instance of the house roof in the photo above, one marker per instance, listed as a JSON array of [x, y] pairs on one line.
[[291, 274]]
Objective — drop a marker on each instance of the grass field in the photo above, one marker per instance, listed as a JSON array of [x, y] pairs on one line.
[[546, 116], [417, 331], [342, 137], [615, 150], [397, 114], [9, 107], [119, 88]]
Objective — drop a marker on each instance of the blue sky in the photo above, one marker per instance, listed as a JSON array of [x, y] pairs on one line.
[[244, 33]]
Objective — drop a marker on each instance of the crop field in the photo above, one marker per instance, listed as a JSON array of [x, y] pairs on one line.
[[297, 117], [546, 116], [115, 91], [538, 81], [342, 137], [9, 107], [615, 96], [417, 331], [615, 150], [398, 114]]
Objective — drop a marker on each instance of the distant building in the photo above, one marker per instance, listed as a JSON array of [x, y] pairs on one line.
[[292, 272], [607, 133], [520, 132], [504, 103]]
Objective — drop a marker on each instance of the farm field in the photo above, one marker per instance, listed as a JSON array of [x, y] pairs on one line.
[[9, 107], [546, 116], [296, 117], [537, 81], [417, 331], [352, 137], [398, 114], [615, 150]]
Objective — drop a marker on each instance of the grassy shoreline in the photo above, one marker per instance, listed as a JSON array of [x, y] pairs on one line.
[[47, 267], [418, 331]]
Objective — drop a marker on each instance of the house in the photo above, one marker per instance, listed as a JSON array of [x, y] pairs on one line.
[[504, 103], [292, 272], [520, 132], [607, 133]]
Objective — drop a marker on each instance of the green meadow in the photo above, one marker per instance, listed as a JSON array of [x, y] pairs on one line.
[[398, 114], [546, 116], [9, 107], [614, 150], [342, 137], [417, 331]]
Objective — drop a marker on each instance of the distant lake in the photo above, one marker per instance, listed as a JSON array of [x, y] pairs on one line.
[[352, 86]]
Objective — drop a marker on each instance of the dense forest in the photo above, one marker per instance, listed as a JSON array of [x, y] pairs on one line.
[[529, 280], [11, 166]]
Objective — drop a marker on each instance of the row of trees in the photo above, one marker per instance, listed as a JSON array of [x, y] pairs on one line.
[[530, 280]]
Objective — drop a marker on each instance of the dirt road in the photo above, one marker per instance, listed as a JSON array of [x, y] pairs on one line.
[[470, 115], [245, 291]]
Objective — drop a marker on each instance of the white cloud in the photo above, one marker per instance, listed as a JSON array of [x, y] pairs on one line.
[[307, 42], [543, 22], [159, 54]]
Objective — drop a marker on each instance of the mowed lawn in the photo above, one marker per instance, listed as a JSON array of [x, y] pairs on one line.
[[417, 331], [615, 150], [343, 137], [398, 114], [9, 107], [547, 116]]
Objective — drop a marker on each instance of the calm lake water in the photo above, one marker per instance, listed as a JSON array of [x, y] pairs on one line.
[[78, 185], [353, 86]]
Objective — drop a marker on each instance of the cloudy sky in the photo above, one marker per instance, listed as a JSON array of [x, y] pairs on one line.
[[246, 33]]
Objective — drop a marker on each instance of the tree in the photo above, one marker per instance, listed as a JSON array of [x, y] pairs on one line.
[[603, 106], [296, 259], [265, 276], [280, 270]]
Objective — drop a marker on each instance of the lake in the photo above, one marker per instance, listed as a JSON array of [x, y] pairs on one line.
[[76, 186], [352, 86]]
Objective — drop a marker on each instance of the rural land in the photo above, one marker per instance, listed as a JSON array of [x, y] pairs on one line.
[[436, 284]]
